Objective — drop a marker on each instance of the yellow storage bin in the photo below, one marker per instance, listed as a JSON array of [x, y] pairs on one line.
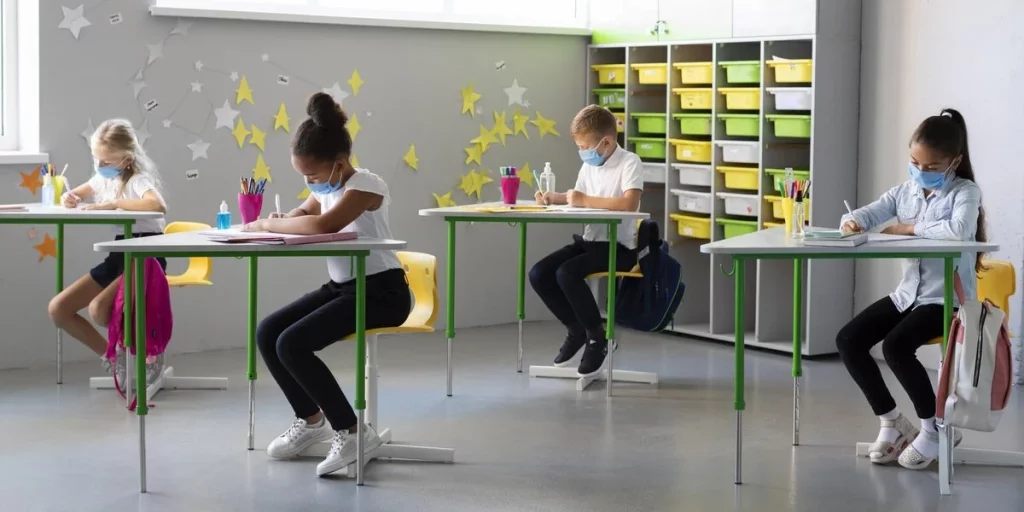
[[776, 203], [741, 98], [799, 71], [691, 98], [692, 226], [692, 150], [620, 121], [610, 74], [740, 178], [697, 73], [651, 73]]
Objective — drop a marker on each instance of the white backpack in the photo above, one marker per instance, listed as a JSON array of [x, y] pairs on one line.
[[976, 373]]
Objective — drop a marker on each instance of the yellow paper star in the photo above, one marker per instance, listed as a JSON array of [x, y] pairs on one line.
[[544, 125], [525, 175], [355, 82], [259, 138], [469, 99], [410, 158], [473, 154], [473, 183], [353, 126], [244, 92], [354, 160], [281, 120], [48, 247], [304, 194], [262, 170], [240, 132], [444, 201], [485, 139], [519, 123], [501, 126], [31, 180]]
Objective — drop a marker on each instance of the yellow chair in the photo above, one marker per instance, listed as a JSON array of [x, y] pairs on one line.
[[996, 283], [199, 269]]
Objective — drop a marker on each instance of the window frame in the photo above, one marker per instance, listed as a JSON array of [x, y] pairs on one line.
[[10, 135]]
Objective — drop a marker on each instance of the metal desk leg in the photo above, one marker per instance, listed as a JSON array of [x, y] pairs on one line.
[[141, 407], [60, 288], [450, 302], [360, 363], [127, 281], [798, 310], [613, 249], [738, 268], [521, 299], [946, 431], [251, 345]]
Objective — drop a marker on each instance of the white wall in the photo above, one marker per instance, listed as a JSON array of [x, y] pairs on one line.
[[919, 56]]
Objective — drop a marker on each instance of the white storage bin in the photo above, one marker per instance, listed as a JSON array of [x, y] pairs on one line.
[[690, 201], [740, 152], [740, 204], [694, 175], [654, 173], [792, 98]]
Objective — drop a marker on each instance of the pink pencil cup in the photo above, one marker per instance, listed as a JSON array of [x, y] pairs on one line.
[[509, 189], [250, 206]]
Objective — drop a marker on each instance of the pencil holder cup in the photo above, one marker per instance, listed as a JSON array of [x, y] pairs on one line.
[[59, 185], [787, 214], [250, 206], [509, 189]]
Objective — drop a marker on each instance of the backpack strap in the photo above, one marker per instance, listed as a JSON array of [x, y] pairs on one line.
[[958, 287]]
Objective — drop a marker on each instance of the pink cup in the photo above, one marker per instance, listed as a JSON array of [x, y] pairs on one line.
[[509, 189], [250, 206]]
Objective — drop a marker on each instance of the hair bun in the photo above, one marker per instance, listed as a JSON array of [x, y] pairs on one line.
[[325, 112]]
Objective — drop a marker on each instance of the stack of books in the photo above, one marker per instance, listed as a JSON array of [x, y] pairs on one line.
[[834, 238]]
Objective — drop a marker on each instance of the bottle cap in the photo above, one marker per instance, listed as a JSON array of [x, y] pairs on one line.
[[224, 207]]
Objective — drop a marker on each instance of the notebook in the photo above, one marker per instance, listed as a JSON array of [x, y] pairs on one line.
[[848, 240], [13, 208], [277, 239]]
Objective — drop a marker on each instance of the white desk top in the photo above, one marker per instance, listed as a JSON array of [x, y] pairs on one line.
[[775, 241], [583, 214], [39, 212], [194, 242]]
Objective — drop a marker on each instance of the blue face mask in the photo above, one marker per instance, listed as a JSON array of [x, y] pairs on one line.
[[931, 180], [592, 156], [108, 171], [325, 187]]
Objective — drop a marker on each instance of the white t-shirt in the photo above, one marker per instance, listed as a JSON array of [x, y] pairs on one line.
[[369, 224], [621, 172], [106, 190]]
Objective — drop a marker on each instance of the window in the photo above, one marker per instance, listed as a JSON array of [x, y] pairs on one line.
[[8, 80]]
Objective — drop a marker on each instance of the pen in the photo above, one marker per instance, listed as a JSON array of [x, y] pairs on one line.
[[277, 203], [848, 210]]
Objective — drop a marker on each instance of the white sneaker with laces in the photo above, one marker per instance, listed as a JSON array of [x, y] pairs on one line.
[[343, 450], [298, 437]]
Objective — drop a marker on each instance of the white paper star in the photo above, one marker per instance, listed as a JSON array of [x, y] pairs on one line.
[[74, 20], [234, 76], [336, 92], [138, 74], [515, 93], [182, 28], [142, 133], [197, 87], [88, 131], [137, 87], [265, 57], [167, 123], [199, 65], [225, 116], [199, 149], [155, 52]]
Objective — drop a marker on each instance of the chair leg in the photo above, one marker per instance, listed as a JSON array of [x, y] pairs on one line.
[[371, 381], [166, 380]]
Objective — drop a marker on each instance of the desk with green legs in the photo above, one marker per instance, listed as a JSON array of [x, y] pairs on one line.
[[774, 244]]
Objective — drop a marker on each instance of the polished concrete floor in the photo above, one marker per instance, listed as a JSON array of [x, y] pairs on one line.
[[522, 444]]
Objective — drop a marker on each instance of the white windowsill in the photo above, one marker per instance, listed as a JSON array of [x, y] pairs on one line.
[[23, 157], [332, 19]]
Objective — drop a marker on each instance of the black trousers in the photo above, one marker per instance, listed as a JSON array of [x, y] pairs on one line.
[[559, 280], [901, 334], [289, 337]]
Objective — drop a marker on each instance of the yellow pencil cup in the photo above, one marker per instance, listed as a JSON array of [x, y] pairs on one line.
[[787, 212], [58, 189]]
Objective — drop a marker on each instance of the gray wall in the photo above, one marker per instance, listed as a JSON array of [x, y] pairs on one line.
[[411, 95]]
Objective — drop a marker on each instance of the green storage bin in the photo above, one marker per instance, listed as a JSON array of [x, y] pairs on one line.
[[779, 176], [742, 71], [650, 123], [791, 125], [611, 98], [694, 124], [742, 125], [649, 147], [737, 227]]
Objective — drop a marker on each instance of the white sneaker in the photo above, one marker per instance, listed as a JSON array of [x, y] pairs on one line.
[[343, 450], [298, 437], [910, 458]]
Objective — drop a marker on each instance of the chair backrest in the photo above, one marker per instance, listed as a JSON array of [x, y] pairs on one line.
[[198, 267], [997, 283], [421, 270]]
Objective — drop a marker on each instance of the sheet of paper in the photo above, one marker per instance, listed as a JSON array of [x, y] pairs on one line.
[[882, 237], [567, 208]]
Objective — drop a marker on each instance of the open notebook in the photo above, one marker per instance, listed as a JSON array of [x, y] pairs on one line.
[[232, 236]]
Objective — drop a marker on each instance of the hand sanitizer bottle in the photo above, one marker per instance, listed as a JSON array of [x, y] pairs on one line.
[[47, 190], [547, 179], [224, 217]]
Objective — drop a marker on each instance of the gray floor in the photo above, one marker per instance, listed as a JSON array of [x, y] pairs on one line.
[[522, 444]]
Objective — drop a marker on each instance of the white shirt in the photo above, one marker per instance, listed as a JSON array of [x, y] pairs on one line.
[[105, 190], [950, 213], [621, 172], [368, 224]]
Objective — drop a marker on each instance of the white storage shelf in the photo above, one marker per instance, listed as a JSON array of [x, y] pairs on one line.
[[694, 175], [740, 152], [792, 98], [744, 205], [692, 201]]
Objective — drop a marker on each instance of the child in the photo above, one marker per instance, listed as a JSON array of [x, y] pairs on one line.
[[341, 198], [611, 178], [125, 179], [941, 201]]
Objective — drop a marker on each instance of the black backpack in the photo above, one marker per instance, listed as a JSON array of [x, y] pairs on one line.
[[650, 303]]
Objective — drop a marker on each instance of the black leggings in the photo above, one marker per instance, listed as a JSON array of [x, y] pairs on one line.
[[288, 338], [901, 334]]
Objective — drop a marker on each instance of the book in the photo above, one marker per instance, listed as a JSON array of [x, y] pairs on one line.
[[829, 234], [13, 208], [849, 240], [278, 239]]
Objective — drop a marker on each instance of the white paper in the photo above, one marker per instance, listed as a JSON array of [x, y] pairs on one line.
[[283, 79], [115, 18], [573, 209], [192, 174], [883, 237], [151, 104], [776, 58]]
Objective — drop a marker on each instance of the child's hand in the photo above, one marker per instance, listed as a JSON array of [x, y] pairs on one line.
[[575, 198], [851, 226], [257, 225], [899, 229], [109, 205], [70, 200]]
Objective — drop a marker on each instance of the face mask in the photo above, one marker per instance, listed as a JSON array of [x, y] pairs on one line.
[[108, 171], [325, 187], [592, 156], [931, 180]]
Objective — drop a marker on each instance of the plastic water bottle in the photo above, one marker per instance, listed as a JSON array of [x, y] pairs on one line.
[[48, 191], [224, 216], [547, 179]]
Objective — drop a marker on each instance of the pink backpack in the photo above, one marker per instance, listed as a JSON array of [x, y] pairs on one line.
[[159, 320]]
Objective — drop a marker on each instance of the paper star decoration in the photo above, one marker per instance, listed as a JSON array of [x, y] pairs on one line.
[[485, 139], [259, 138], [156, 51], [199, 65], [74, 20], [473, 154], [167, 123], [410, 158], [198, 149], [500, 128], [244, 92], [281, 120], [197, 87], [137, 86], [515, 93], [525, 174], [519, 123], [469, 99], [262, 171], [240, 132], [48, 247], [354, 127], [544, 125], [225, 115], [182, 28], [445, 200], [31, 180], [265, 57], [355, 82], [473, 183], [304, 194], [234, 76], [336, 92]]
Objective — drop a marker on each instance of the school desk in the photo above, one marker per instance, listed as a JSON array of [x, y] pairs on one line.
[[194, 244], [773, 244], [497, 213], [59, 217]]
